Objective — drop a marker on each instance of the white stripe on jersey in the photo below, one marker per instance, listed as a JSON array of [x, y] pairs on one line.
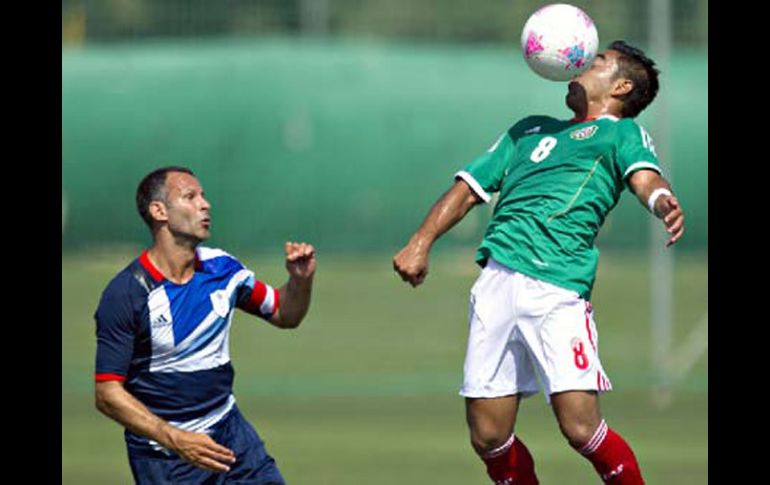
[[268, 304], [202, 424], [642, 164], [497, 142], [161, 321], [474, 185], [215, 353], [212, 355], [205, 253]]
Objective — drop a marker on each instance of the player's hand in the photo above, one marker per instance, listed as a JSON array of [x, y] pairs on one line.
[[202, 451], [411, 263], [300, 259], [668, 209]]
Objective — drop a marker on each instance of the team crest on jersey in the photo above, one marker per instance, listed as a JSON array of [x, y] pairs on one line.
[[220, 302], [584, 133]]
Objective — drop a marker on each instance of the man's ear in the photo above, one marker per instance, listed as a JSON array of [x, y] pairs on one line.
[[621, 86], [157, 210]]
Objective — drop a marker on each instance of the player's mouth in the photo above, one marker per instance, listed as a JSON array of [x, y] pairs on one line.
[[206, 223]]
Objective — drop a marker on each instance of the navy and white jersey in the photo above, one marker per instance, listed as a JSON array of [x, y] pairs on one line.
[[168, 342]]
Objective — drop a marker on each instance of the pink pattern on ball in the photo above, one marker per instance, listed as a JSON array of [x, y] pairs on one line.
[[533, 45], [575, 55], [586, 19]]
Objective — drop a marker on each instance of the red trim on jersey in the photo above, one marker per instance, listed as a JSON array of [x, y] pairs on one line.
[[588, 325], [257, 297], [276, 300], [144, 260], [599, 380], [104, 377], [583, 120]]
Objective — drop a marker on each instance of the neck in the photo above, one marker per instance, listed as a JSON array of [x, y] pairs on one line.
[[176, 261], [596, 109]]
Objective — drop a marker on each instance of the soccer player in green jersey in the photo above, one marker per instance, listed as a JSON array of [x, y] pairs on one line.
[[529, 310]]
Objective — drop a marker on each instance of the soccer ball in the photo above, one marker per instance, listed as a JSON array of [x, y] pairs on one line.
[[559, 41]]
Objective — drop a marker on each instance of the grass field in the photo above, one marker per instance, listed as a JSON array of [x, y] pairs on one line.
[[365, 391]]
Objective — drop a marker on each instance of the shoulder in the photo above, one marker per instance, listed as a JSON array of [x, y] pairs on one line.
[[630, 127], [532, 124], [124, 284], [122, 291], [632, 135]]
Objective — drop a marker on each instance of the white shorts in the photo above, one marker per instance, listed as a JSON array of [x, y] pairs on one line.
[[521, 328]]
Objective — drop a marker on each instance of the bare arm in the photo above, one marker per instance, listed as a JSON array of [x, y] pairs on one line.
[[294, 296], [412, 261], [114, 401], [667, 207]]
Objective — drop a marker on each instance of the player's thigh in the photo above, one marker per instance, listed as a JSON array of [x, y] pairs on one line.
[[150, 470], [253, 465], [159, 469]]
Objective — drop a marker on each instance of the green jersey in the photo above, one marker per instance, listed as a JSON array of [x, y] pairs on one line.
[[558, 180]]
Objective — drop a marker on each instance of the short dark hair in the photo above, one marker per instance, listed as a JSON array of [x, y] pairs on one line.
[[634, 65], [152, 188]]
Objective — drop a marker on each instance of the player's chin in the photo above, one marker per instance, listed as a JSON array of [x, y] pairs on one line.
[[576, 96]]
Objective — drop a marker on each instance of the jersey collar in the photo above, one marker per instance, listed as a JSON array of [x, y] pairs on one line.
[[144, 260], [593, 118]]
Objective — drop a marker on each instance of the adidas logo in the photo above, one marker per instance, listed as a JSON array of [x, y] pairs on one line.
[[161, 321]]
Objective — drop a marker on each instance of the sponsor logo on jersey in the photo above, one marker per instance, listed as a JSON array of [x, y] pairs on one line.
[[584, 133]]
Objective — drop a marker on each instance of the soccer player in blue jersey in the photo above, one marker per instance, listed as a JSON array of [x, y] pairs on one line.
[[162, 361], [529, 313]]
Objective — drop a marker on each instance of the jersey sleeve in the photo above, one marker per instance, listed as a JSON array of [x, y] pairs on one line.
[[252, 295], [115, 335], [636, 151], [258, 298], [485, 174]]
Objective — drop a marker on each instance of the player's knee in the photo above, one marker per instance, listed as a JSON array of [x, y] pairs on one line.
[[485, 439], [578, 432]]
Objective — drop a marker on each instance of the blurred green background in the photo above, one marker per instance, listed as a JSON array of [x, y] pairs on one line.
[[339, 122]]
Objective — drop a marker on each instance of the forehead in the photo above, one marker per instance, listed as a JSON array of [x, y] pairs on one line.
[[180, 181]]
